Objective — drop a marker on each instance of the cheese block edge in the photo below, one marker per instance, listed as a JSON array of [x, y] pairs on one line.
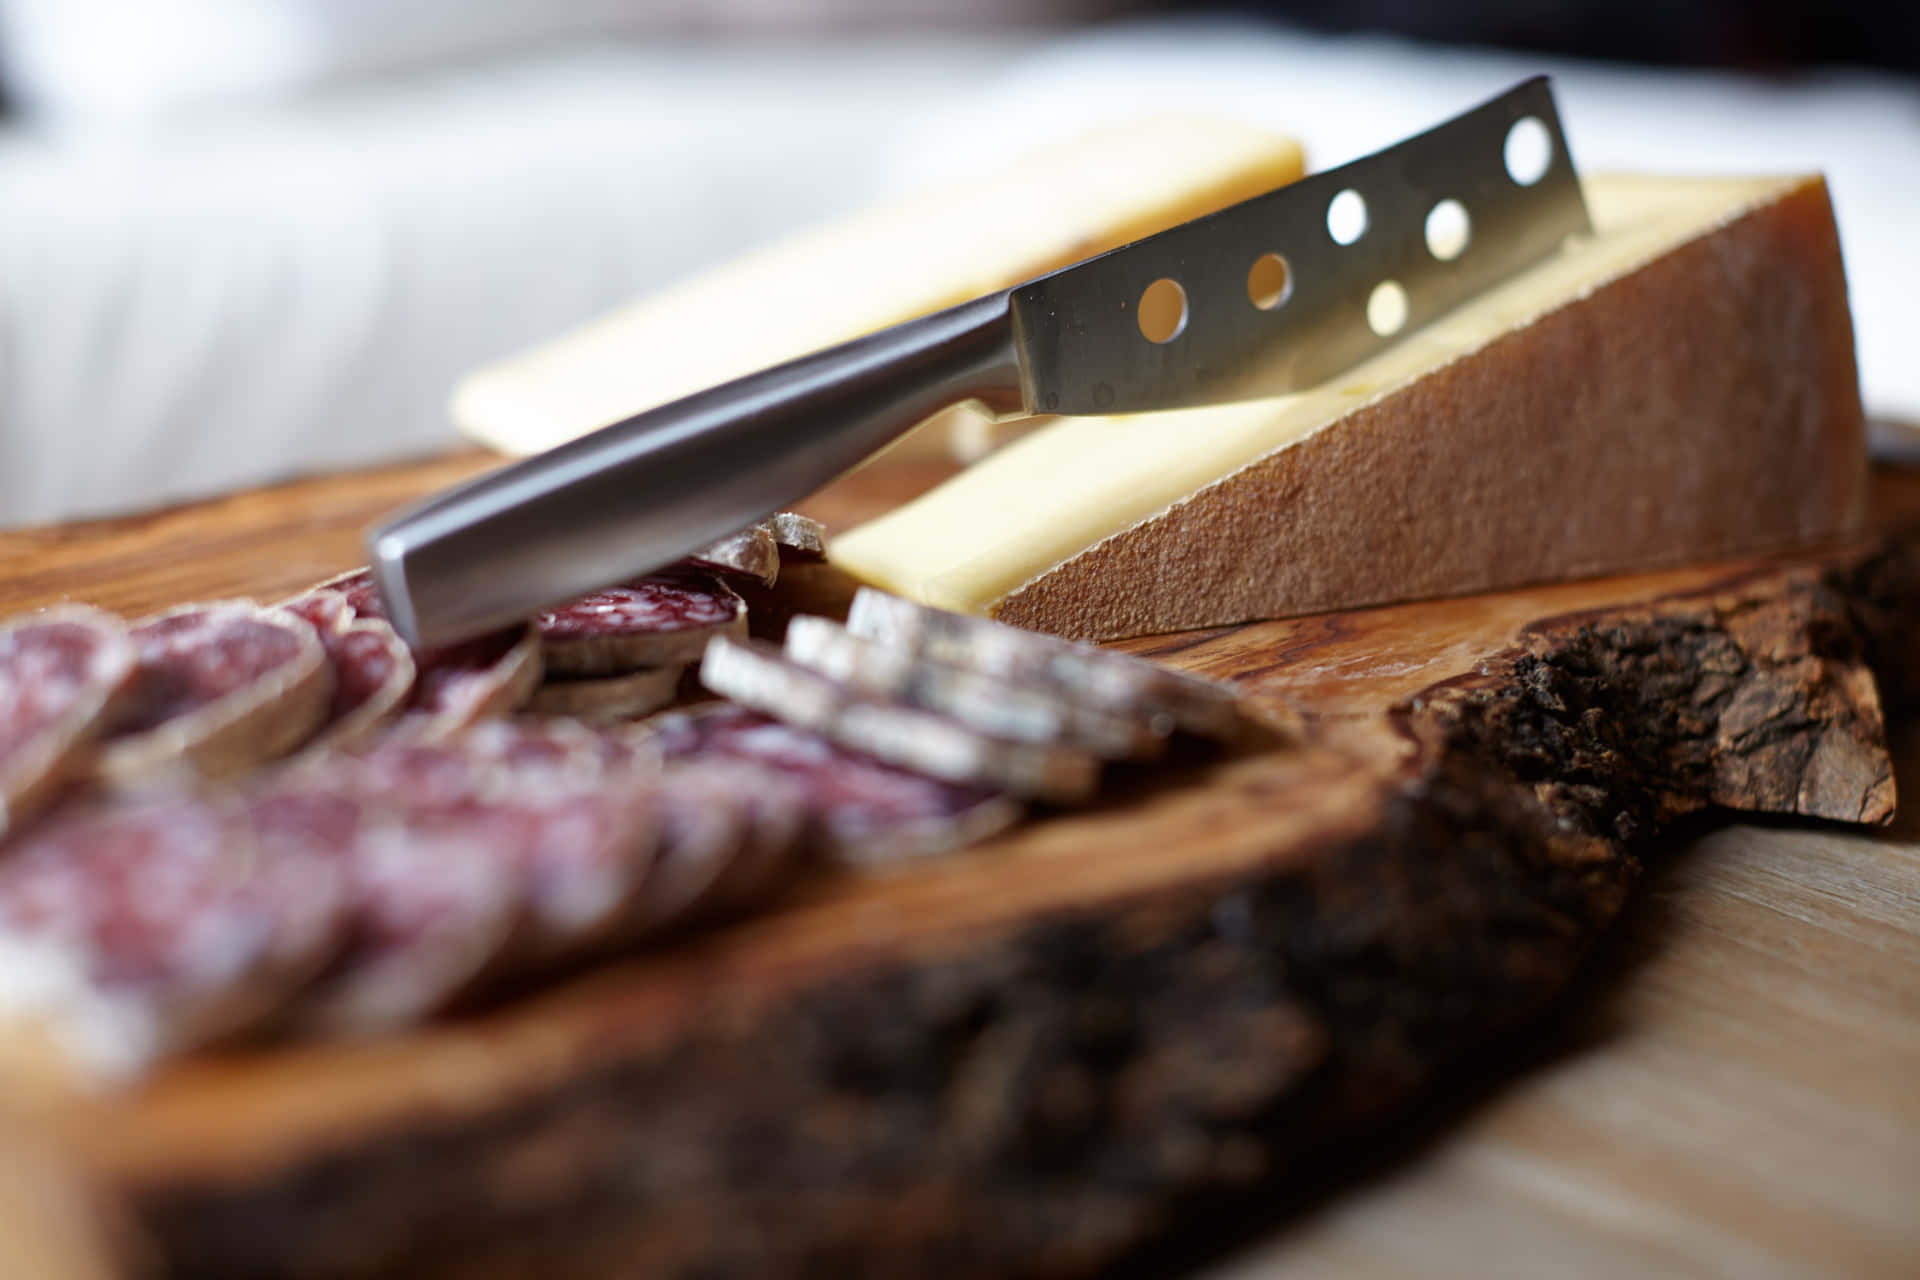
[[877, 267], [1721, 358]]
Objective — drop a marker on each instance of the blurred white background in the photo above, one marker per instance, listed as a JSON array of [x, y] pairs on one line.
[[247, 239]]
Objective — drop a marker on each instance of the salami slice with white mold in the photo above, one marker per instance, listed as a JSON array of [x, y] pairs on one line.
[[705, 825], [176, 919], [1118, 683], [219, 688], [798, 537], [757, 675], [372, 666], [63, 672], [663, 620], [751, 553], [992, 705], [455, 685], [859, 808]]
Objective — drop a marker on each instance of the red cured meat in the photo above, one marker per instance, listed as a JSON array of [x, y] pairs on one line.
[[452, 685], [220, 687], [193, 658], [190, 917], [860, 807], [61, 674]]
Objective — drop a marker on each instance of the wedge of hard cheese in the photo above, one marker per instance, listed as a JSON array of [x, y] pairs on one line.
[[1680, 386], [878, 268]]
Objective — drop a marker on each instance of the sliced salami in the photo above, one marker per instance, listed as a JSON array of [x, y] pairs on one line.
[[372, 667], [751, 553], [461, 684], [188, 919], [432, 908], [991, 705], [664, 620], [478, 857], [798, 537], [623, 697], [219, 688], [456, 685], [1103, 679], [859, 809], [757, 675], [63, 673]]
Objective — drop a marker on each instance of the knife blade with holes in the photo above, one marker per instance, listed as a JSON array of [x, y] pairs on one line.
[[1273, 295]]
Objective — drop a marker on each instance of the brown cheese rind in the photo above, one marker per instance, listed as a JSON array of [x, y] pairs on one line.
[[1704, 405], [52, 705], [756, 675], [280, 697]]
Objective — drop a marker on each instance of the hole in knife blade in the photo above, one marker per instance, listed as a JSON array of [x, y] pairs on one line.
[[1448, 230], [1269, 282], [1529, 152], [1163, 310], [1387, 308], [1347, 216]]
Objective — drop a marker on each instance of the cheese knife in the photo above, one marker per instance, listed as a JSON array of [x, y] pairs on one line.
[[1272, 295]]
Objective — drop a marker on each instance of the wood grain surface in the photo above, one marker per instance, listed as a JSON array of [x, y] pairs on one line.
[[1733, 1094]]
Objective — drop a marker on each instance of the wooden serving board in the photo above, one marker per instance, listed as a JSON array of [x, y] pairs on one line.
[[1051, 1052]]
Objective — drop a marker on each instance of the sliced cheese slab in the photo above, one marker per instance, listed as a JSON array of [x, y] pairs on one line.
[[1679, 386], [878, 268]]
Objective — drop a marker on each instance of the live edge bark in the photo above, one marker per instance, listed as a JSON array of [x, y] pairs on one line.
[[1045, 1099]]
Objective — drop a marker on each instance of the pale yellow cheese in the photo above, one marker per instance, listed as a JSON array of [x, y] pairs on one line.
[[1012, 518], [878, 268]]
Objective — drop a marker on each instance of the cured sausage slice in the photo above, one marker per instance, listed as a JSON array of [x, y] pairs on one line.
[[623, 697], [219, 688], [472, 858], [62, 673], [663, 620], [1099, 678], [179, 920], [859, 809], [757, 675], [455, 685], [751, 553], [991, 705], [798, 537], [372, 666], [460, 684], [431, 908]]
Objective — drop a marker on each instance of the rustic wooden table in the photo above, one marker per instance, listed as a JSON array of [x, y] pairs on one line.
[[1736, 1091]]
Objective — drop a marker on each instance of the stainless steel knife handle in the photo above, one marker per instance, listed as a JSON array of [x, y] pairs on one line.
[[633, 496]]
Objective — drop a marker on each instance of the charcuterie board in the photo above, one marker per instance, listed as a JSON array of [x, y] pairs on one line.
[[1048, 1051]]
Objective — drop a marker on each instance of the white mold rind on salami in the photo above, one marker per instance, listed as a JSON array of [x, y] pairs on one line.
[[751, 553], [1094, 677], [860, 810], [992, 705], [758, 676], [193, 918], [372, 666], [458, 686], [623, 697], [63, 673], [798, 537], [220, 688], [705, 823], [664, 620]]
